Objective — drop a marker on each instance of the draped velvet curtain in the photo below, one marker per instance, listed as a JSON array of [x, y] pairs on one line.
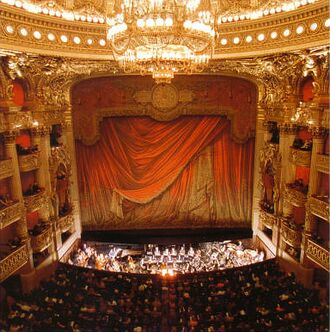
[[148, 174]]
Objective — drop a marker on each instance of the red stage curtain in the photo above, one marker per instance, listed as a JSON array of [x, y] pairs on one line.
[[158, 168], [140, 157]]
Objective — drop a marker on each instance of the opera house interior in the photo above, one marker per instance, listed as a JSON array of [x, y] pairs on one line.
[[164, 165]]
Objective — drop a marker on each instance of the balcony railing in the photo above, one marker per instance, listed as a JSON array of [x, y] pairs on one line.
[[318, 254], [6, 168], [290, 235], [29, 162], [13, 262], [322, 163], [65, 223], [10, 214], [267, 220], [36, 201], [300, 157], [319, 207], [41, 241], [295, 197]]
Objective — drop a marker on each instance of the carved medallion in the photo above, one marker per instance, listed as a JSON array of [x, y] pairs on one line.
[[164, 96]]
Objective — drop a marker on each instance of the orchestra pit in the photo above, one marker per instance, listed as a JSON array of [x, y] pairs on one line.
[[164, 165]]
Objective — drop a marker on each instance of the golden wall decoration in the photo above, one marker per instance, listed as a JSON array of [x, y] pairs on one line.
[[29, 162], [6, 168], [13, 262], [318, 254], [322, 163], [10, 214], [300, 157], [319, 208], [41, 241]]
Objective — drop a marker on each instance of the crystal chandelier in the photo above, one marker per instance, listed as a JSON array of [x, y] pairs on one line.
[[162, 37]]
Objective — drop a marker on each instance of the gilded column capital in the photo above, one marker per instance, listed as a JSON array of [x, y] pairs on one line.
[[40, 131], [288, 128], [318, 132], [10, 136]]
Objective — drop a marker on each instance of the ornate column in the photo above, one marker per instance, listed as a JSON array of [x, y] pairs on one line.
[[40, 137], [287, 136], [74, 190], [15, 180], [261, 135]]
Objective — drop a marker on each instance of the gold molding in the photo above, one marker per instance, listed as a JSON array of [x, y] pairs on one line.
[[295, 197], [29, 162], [268, 220], [322, 163], [304, 16], [65, 223], [318, 254], [6, 168], [41, 241], [319, 208], [300, 157], [10, 214], [13, 262], [291, 236], [35, 202]]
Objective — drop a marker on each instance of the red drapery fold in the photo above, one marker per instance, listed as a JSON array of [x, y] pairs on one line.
[[143, 156]]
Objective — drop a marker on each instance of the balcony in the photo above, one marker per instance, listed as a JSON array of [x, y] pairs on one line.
[[319, 207], [267, 220], [36, 201], [300, 157], [41, 241], [65, 223], [29, 162], [6, 168], [13, 262], [10, 214], [318, 254], [295, 197], [291, 234], [322, 163]]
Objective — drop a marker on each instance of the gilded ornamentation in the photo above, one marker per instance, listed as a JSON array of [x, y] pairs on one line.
[[268, 220], [6, 168], [270, 168], [41, 241], [322, 163], [300, 157], [10, 214], [40, 131], [164, 96], [18, 19], [35, 202], [10, 136], [29, 162], [65, 223], [319, 208], [290, 235], [14, 261], [295, 197], [318, 254]]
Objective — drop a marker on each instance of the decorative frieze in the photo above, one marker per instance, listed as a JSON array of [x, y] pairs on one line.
[[10, 214], [322, 163], [290, 235], [65, 223], [295, 197], [267, 220], [6, 168], [13, 262], [35, 202], [319, 208], [300, 157], [318, 254], [29, 162], [41, 241]]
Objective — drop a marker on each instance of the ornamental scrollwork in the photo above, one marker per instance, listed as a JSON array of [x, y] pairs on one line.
[[319, 208], [318, 254], [36, 202], [291, 235], [13, 262], [41, 241], [6, 168], [300, 157], [29, 162], [270, 168], [10, 214]]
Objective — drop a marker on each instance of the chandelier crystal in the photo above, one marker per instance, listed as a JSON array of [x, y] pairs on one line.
[[162, 37]]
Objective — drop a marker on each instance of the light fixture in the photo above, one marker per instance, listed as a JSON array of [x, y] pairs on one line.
[[161, 37]]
